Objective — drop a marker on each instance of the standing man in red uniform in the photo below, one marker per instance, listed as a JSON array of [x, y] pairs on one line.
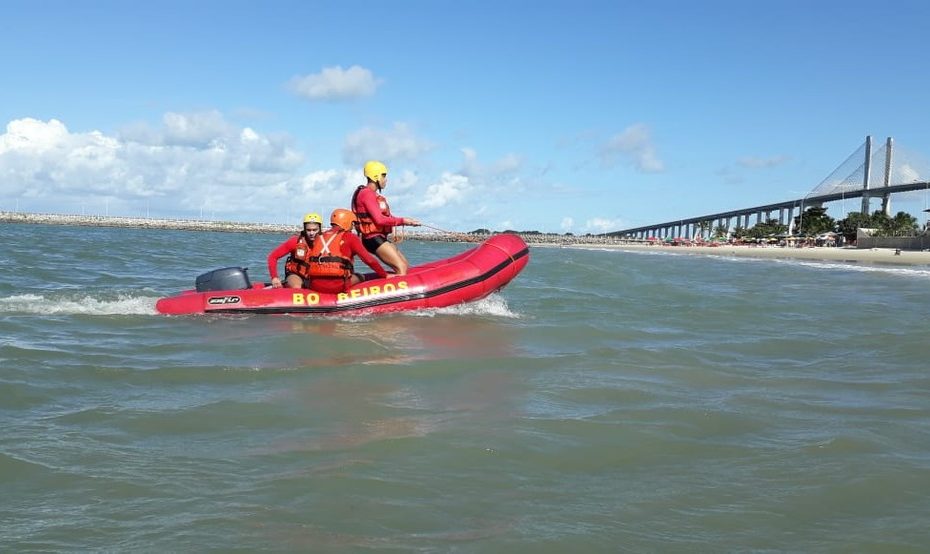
[[298, 246], [375, 221], [331, 254]]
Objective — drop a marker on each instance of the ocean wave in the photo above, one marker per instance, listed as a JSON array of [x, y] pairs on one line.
[[71, 304], [920, 272], [903, 271]]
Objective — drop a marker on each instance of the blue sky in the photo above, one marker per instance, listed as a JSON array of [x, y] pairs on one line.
[[551, 116]]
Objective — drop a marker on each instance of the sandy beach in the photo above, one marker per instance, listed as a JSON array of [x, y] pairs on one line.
[[844, 255]]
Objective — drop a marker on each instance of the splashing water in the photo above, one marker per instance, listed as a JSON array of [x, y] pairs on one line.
[[493, 305], [122, 304]]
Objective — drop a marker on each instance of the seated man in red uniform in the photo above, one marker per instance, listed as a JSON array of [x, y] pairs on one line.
[[375, 221], [297, 265], [331, 254]]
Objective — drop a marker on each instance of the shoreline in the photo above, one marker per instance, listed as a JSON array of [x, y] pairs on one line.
[[543, 240], [883, 256]]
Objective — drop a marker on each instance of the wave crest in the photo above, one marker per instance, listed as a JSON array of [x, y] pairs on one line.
[[493, 305], [56, 303]]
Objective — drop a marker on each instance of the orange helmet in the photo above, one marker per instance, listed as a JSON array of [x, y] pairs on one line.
[[343, 218]]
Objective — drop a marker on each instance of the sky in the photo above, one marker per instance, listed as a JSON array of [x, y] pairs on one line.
[[556, 116]]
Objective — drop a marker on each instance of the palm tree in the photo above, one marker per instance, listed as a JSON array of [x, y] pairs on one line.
[[903, 224], [703, 227]]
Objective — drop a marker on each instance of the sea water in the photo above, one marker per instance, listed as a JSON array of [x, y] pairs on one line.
[[604, 401]]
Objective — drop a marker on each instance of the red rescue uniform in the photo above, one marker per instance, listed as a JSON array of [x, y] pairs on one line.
[[373, 213], [331, 267], [328, 258], [298, 261]]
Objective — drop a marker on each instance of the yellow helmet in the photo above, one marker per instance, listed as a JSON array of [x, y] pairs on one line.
[[375, 169], [342, 218], [313, 218]]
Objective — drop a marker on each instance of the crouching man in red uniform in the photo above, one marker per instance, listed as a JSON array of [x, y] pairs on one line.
[[298, 246], [331, 254]]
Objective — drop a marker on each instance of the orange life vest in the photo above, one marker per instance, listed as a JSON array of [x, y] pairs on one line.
[[328, 257], [298, 262], [366, 225]]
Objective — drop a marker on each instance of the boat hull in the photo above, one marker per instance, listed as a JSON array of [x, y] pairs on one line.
[[466, 277]]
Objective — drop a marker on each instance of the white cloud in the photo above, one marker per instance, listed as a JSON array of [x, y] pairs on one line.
[[186, 164], [402, 183], [451, 189], [30, 134], [634, 145], [567, 224], [507, 164], [329, 188], [602, 225], [191, 161], [760, 163], [474, 169], [470, 164], [470, 187], [397, 143], [335, 84], [195, 129]]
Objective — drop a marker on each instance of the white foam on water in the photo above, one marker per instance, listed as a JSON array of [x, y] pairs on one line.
[[919, 272], [122, 304], [655, 252], [493, 305]]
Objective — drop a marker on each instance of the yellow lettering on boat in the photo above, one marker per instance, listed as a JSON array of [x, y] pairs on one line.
[[365, 292], [301, 299]]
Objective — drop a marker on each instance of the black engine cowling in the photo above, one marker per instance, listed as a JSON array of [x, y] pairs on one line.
[[228, 278]]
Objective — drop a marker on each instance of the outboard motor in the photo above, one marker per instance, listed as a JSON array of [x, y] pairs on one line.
[[228, 278]]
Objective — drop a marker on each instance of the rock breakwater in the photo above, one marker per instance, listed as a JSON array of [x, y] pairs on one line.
[[273, 228]]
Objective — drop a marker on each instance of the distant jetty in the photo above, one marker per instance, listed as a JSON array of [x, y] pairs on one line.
[[274, 228], [144, 223], [891, 255]]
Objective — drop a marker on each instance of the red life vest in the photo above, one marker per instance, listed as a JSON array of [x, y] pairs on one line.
[[328, 258], [366, 225], [298, 262]]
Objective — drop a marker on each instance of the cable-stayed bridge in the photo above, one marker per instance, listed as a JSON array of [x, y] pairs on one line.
[[865, 174]]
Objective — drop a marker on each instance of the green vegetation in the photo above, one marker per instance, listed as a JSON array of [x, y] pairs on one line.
[[765, 229], [814, 221], [901, 225]]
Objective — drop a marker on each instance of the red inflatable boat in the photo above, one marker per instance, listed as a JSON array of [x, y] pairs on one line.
[[468, 276]]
